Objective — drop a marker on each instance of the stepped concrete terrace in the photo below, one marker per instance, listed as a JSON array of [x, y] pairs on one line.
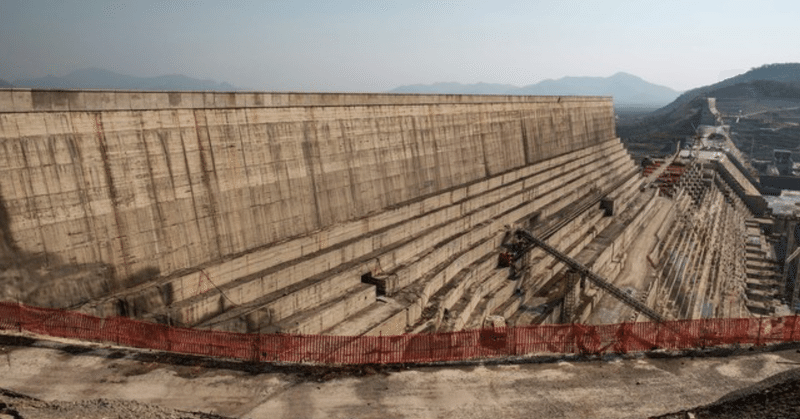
[[355, 214]]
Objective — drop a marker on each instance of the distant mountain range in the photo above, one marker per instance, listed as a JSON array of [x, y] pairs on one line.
[[4, 83], [626, 89], [453, 88], [96, 78]]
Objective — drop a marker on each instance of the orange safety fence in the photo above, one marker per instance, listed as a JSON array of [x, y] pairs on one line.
[[434, 347]]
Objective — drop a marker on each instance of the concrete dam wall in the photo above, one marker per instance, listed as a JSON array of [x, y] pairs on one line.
[[291, 212], [174, 180]]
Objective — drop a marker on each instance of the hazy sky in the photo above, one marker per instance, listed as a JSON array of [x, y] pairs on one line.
[[378, 45]]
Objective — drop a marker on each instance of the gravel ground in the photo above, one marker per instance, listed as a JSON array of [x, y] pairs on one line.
[[19, 406], [94, 381]]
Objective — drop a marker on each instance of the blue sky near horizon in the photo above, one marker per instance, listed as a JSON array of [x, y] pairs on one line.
[[378, 45]]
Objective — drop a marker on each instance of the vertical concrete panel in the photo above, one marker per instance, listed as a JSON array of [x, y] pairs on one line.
[[324, 210], [23, 101], [422, 149], [161, 137], [14, 186], [337, 201], [194, 100], [119, 138], [138, 101], [262, 170], [88, 164], [190, 175], [6, 100], [443, 145], [67, 192], [215, 165], [296, 210], [224, 143], [377, 156], [395, 161], [122, 101], [250, 233], [355, 156]]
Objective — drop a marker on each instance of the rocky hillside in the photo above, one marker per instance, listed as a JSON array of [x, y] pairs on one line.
[[765, 101]]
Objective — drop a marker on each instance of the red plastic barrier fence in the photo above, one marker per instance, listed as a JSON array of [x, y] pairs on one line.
[[453, 346]]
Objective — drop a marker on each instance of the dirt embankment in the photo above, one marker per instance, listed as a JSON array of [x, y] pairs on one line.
[[775, 397]]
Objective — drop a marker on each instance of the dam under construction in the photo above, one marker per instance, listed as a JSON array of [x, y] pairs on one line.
[[375, 214]]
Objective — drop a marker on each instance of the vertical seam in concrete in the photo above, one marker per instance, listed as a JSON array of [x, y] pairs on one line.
[[437, 165], [160, 229], [5, 227], [413, 148], [586, 128], [48, 194], [307, 155], [525, 147], [84, 196], [112, 189], [276, 155], [167, 157], [381, 164], [246, 189], [205, 177], [348, 146], [200, 229], [486, 171], [29, 197]]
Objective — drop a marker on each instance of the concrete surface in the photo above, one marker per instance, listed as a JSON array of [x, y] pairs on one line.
[[169, 181]]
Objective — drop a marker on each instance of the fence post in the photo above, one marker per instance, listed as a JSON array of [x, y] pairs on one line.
[[758, 339], [19, 316], [512, 339]]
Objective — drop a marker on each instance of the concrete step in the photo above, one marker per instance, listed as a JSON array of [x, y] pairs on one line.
[[278, 305], [408, 303], [319, 251], [432, 257], [443, 248], [383, 317], [767, 275], [459, 314], [453, 290], [489, 303], [317, 319], [764, 265], [508, 307], [761, 308], [763, 285], [762, 295]]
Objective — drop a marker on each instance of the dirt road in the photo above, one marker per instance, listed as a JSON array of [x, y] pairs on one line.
[[608, 388]]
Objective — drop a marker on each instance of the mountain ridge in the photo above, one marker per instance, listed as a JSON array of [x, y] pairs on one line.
[[627, 89], [98, 78]]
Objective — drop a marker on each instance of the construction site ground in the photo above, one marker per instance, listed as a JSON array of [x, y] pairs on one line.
[[91, 380]]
